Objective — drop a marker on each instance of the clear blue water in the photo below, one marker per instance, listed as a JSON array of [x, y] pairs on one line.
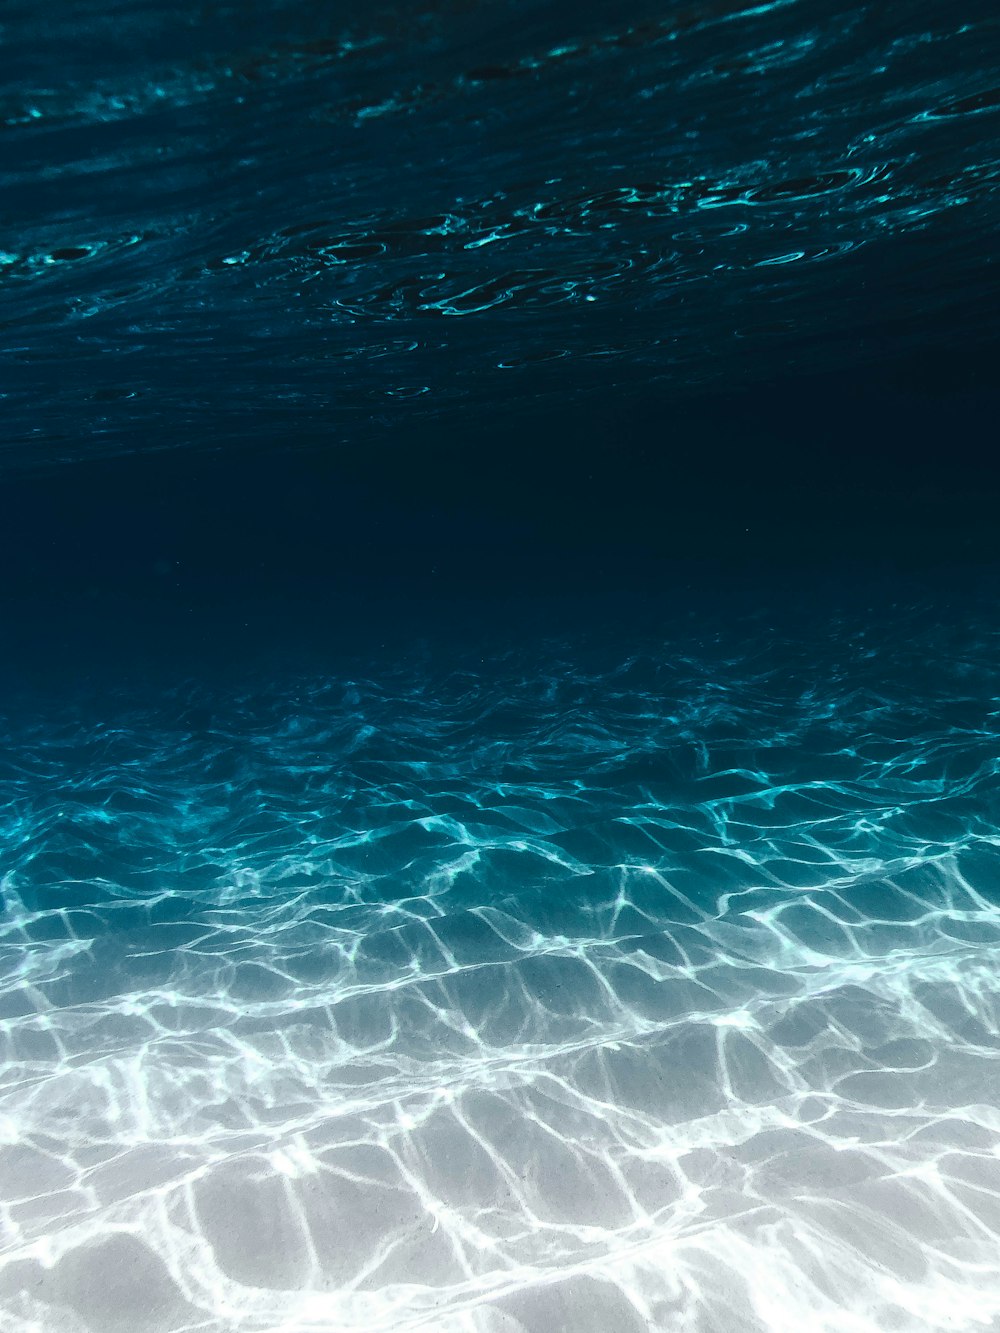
[[499, 668]]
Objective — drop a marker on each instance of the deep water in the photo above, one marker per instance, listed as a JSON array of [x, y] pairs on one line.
[[499, 667]]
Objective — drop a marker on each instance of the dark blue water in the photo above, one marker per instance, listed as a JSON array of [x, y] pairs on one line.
[[500, 673], [304, 221]]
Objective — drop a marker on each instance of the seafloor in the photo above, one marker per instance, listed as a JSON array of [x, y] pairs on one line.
[[577, 982]]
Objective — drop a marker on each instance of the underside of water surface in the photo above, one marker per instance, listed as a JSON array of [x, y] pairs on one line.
[[295, 220]]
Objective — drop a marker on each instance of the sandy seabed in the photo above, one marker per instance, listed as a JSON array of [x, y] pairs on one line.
[[655, 993]]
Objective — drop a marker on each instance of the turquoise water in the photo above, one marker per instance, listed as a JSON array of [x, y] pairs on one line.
[[574, 983]]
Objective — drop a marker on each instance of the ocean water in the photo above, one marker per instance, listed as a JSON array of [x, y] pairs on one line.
[[499, 667], [319, 221]]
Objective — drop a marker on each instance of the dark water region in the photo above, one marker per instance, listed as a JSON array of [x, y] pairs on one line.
[[825, 489], [499, 667], [308, 221]]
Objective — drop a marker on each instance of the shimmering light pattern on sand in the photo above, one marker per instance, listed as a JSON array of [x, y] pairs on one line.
[[544, 993]]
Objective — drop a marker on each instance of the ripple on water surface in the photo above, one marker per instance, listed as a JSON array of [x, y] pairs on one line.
[[316, 222]]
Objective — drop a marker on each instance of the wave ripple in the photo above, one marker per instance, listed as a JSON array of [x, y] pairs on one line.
[[313, 222]]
